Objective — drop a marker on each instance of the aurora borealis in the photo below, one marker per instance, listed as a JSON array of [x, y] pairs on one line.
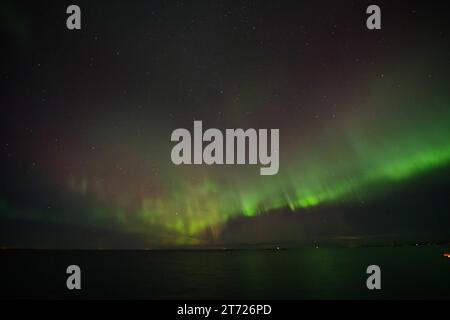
[[87, 116]]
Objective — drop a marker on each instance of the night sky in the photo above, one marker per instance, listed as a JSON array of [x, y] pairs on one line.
[[86, 120]]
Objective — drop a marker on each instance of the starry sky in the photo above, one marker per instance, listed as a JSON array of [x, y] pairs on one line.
[[364, 119]]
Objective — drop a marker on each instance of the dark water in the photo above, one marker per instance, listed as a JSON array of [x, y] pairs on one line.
[[323, 273]]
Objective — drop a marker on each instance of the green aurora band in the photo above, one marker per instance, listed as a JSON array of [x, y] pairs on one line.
[[347, 160], [379, 140]]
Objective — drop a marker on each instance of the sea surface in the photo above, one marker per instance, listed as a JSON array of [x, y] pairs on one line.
[[407, 272]]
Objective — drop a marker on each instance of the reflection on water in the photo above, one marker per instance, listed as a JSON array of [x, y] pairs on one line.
[[323, 273]]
